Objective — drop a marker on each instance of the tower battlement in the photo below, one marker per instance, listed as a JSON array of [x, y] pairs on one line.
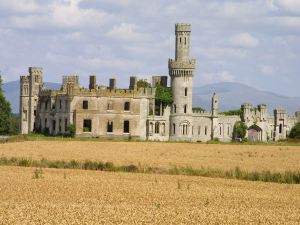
[[183, 27], [35, 70], [24, 79]]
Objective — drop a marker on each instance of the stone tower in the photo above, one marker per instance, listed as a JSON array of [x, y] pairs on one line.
[[181, 71], [30, 87]]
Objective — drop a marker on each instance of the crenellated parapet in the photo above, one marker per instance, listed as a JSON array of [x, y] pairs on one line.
[[190, 64], [183, 27]]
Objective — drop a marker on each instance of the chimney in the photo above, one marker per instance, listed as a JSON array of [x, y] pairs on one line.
[[133, 83], [92, 85], [112, 83]]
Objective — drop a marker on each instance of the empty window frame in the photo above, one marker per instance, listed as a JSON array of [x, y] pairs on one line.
[[174, 128], [174, 107], [126, 127], [157, 128], [127, 106], [110, 126], [25, 115], [87, 125], [205, 131], [185, 108], [185, 91], [109, 105], [85, 104]]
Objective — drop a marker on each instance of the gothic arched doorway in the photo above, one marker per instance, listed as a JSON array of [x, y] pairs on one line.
[[254, 133]]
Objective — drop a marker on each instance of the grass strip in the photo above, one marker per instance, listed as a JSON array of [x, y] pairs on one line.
[[287, 177]]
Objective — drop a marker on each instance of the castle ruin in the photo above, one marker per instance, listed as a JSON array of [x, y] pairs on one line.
[[107, 111]]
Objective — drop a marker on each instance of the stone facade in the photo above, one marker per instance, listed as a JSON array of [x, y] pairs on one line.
[[106, 111]]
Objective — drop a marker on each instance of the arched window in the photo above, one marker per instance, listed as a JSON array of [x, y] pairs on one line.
[[110, 126], [151, 128], [185, 91], [157, 128]]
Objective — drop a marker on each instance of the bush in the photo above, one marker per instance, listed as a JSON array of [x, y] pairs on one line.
[[239, 130], [71, 130], [295, 132]]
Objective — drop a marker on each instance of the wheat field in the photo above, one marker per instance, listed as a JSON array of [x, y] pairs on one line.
[[162, 155], [93, 197]]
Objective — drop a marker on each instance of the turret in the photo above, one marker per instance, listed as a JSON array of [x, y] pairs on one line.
[[214, 105], [181, 71], [30, 87], [280, 124]]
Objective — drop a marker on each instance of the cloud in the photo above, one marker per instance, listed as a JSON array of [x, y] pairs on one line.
[[126, 32], [267, 70], [223, 76], [289, 5], [213, 53], [245, 40]]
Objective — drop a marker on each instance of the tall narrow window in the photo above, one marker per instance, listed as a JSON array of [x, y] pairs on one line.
[[174, 108], [66, 124], [87, 125], [220, 130], [85, 104], [110, 127], [228, 130], [205, 130], [60, 104], [126, 126], [127, 106], [174, 128], [280, 128], [45, 122], [185, 91], [59, 125], [180, 40], [185, 106], [185, 40], [157, 128]]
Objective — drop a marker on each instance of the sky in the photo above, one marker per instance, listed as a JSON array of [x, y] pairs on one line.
[[254, 42]]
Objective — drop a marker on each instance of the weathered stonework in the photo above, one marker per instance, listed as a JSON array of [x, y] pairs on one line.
[[106, 111]]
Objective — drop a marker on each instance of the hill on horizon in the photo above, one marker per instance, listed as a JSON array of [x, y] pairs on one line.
[[231, 96]]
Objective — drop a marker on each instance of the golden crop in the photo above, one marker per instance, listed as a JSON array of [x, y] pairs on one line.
[[94, 197]]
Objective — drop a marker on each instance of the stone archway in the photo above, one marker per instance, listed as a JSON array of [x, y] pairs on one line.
[[254, 133]]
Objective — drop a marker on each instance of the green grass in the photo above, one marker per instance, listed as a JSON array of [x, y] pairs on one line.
[[288, 177]]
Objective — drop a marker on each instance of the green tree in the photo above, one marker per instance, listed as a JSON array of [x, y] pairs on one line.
[[239, 130], [163, 95], [5, 113], [143, 84], [295, 132], [236, 112]]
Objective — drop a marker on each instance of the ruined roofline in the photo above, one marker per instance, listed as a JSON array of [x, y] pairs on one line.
[[140, 92]]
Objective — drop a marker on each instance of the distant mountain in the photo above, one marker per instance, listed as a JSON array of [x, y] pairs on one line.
[[12, 92], [231, 96]]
